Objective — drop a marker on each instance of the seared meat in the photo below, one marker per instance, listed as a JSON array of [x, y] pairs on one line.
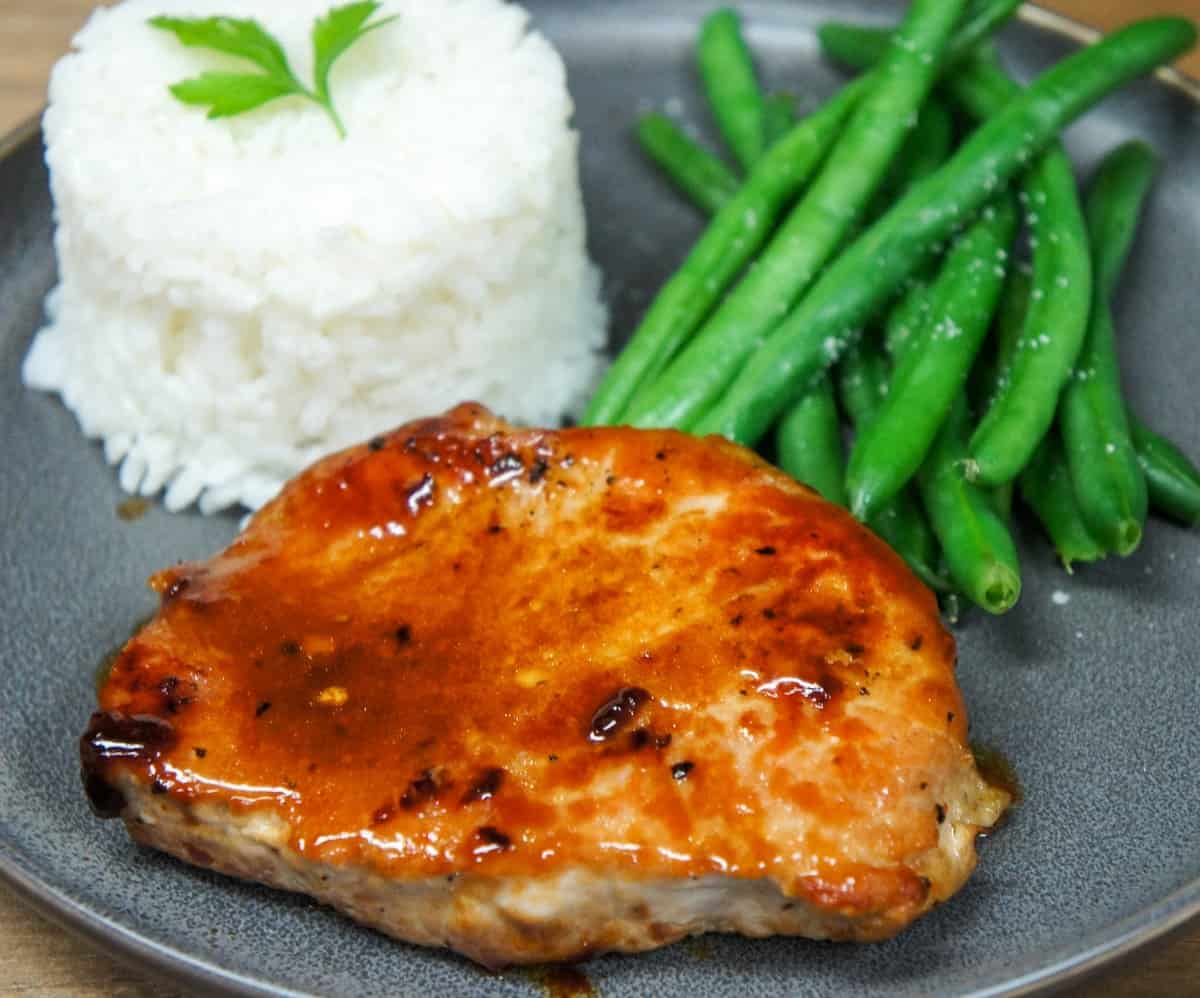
[[535, 695]]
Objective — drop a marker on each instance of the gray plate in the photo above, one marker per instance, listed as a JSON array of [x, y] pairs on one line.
[[1094, 701]]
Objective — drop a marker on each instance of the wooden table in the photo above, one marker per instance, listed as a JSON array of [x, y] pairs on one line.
[[39, 960]]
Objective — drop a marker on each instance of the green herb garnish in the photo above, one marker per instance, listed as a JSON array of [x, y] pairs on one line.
[[227, 94]]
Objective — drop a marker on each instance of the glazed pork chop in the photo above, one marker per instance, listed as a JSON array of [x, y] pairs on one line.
[[535, 695]]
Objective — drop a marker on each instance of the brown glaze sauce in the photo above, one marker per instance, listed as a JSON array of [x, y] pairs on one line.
[[403, 682], [133, 508], [562, 981], [112, 736], [615, 713], [997, 771]]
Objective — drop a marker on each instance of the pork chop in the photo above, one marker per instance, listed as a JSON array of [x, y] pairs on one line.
[[536, 694]]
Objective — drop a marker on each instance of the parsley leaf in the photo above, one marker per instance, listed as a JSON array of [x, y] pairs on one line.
[[231, 35], [336, 32], [227, 94]]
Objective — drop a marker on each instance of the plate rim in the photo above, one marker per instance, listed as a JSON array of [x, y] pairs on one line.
[[1115, 943]]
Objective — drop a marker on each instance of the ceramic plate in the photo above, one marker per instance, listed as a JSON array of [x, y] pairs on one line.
[[1090, 688]]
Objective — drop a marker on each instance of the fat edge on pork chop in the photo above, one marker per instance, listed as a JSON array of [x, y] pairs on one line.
[[535, 695]]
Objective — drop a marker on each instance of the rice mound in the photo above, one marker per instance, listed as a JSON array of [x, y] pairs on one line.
[[238, 297]]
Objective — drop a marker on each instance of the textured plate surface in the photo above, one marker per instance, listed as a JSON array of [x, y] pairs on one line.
[[1094, 699]]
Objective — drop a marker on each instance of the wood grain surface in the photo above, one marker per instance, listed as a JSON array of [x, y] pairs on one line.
[[40, 960]]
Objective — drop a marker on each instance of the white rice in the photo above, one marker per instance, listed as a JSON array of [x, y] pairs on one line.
[[241, 296]]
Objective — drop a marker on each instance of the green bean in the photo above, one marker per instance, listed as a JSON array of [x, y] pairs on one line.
[[1024, 405], [732, 86], [925, 149], [1045, 485], [780, 115], [1027, 384], [996, 356], [981, 87], [1109, 483], [1010, 322], [861, 47], [862, 383], [1027, 393], [863, 377], [930, 144], [1014, 307], [865, 275], [1174, 481], [808, 443], [979, 386], [903, 525], [1056, 318], [808, 438], [1114, 203], [812, 230], [906, 318], [727, 245], [987, 377], [977, 545], [933, 371], [687, 164], [855, 46], [1002, 500]]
